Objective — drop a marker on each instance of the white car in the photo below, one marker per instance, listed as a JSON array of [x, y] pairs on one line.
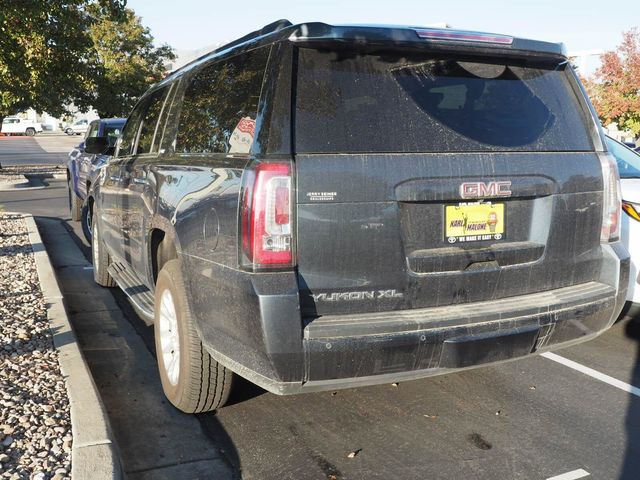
[[79, 127], [629, 167], [20, 126]]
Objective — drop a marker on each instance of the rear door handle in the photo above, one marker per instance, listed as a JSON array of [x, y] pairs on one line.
[[139, 180]]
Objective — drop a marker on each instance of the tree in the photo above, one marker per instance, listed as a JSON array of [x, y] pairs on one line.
[[615, 87], [127, 63], [45, 53]]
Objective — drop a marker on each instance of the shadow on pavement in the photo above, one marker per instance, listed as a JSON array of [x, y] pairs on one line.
[[155, 440]]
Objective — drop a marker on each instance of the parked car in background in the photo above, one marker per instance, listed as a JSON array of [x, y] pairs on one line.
[[629, 168], [20, 126], [79, 127], [315, 207], [82, 168]]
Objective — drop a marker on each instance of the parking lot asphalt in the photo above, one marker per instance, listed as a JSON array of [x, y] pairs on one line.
[[527, 419], [41, 149]]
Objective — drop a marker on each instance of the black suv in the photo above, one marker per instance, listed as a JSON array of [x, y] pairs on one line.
[[316, 207]]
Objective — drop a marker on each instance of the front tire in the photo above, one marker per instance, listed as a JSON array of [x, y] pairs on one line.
[[101, 260], [69, 131], [191, 379], [74, 203], [86, 218]]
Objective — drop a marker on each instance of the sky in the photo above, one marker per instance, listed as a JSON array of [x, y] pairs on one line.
[[581, 25]]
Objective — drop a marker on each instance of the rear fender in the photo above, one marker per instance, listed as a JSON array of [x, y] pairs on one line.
[[158, 222]]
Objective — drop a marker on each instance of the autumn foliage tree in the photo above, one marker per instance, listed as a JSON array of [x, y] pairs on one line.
[[614, 89]]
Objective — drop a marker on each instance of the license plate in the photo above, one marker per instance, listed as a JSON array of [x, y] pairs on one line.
[[473, 222]]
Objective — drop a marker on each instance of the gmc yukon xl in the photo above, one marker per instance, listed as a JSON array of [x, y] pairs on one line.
[[316, 207]]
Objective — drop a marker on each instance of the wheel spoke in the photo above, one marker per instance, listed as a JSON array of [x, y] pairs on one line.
[[169, 337]]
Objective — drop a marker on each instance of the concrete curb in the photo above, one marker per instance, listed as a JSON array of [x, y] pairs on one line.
[[20, 187], [94, 453], [8, 185]]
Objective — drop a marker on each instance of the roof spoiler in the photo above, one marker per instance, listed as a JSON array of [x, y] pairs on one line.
[[320, 35], [270, 28]]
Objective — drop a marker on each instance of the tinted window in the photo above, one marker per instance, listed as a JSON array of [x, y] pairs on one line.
[[153, 108], [130, 131], [628, 161], [162, 124], [93, 130], [422, 103], [220, 105], [112, 131]]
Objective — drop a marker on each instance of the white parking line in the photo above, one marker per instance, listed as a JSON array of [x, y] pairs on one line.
[[580, 473], [592, 373]]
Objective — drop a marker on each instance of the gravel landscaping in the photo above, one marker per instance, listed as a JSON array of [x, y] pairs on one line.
[[35, 424]]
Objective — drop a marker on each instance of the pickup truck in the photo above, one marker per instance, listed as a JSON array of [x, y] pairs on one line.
[[20, 126], [82, 169]]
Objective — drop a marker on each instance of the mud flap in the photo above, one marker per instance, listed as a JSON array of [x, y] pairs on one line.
[[460, 352]]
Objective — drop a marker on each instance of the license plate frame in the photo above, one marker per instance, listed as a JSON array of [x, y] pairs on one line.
[[468, 222]]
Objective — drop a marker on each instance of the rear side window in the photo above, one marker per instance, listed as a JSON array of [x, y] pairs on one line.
[[424, 103], [220, 105]]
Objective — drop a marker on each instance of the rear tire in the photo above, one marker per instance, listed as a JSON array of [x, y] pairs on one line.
[[30, 132], [101, 260], [69, 131], [191, 379], [74, 203]]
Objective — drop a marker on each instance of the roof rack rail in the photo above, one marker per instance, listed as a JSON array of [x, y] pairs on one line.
[[270, 28]]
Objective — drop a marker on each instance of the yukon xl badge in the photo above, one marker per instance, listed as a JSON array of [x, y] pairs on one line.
[[482, 189], [351, 296]]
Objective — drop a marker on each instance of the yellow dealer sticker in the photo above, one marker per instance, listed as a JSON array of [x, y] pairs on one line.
[[472, 222]]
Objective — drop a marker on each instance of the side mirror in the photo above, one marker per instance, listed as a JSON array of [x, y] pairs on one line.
[[97, 145]]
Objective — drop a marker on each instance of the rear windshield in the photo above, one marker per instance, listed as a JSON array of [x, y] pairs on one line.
[[349, 102]]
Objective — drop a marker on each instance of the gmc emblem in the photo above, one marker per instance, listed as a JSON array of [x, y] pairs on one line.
[[482, 189]]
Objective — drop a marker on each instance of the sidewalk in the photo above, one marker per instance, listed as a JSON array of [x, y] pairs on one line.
[[53, 422]]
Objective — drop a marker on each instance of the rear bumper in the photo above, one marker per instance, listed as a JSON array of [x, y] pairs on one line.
[[446, 339], [357, 350]]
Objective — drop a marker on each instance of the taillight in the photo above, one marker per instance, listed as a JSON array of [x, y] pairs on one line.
[[610, 199], [266, 216], [632, 210]]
